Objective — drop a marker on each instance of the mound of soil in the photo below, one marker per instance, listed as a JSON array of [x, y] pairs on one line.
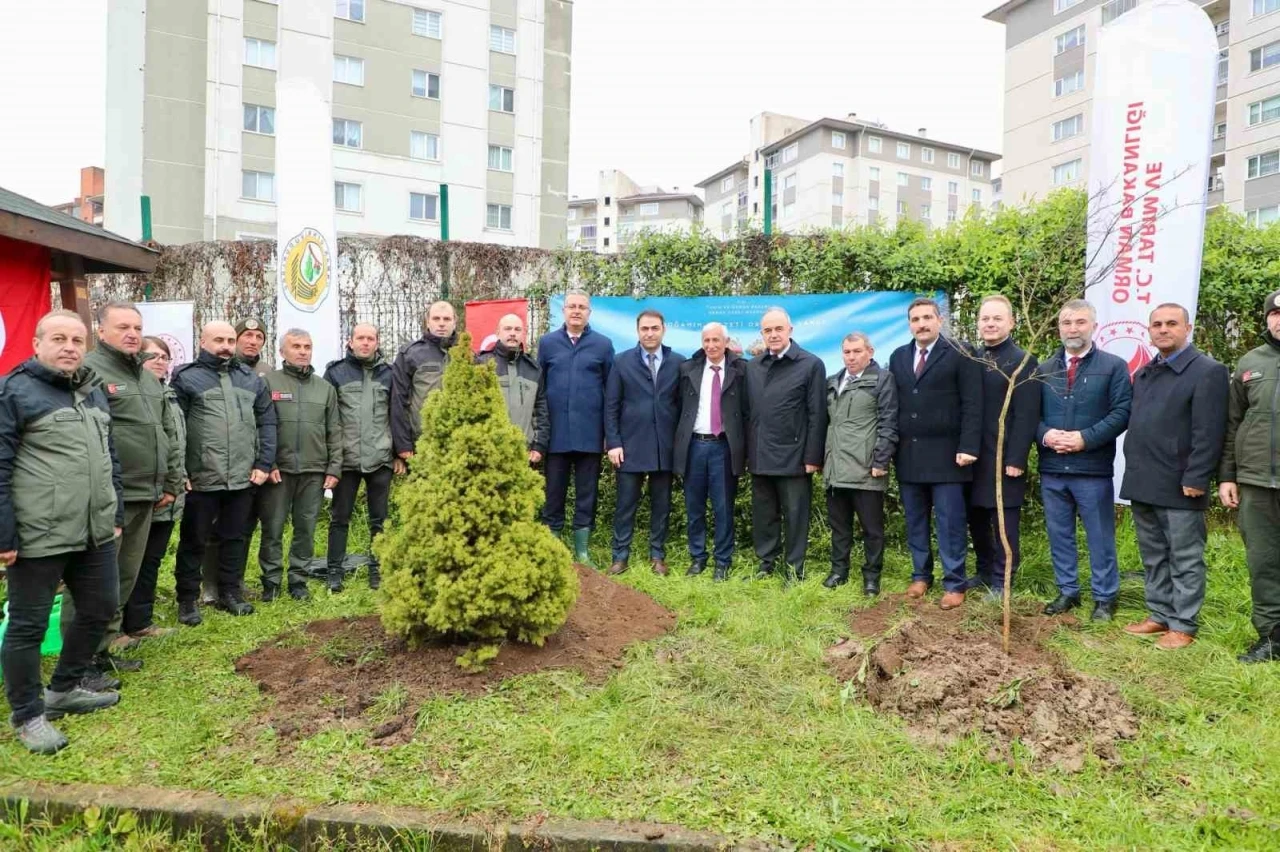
[[946, 675], [334, 671]]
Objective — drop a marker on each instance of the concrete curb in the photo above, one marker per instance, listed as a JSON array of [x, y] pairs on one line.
[[304, 827]]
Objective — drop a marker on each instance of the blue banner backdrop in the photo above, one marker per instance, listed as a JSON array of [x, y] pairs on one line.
[[820, 322]]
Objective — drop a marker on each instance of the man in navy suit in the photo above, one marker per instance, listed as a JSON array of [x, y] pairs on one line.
[[939, 437], [575, 364], [641, 412]]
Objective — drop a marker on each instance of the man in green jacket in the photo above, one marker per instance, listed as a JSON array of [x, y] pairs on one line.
[[148, 444], [308, 461], [1249, 477]]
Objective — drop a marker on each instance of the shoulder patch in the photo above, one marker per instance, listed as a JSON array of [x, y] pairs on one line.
[[1250, 376], [116, 387]]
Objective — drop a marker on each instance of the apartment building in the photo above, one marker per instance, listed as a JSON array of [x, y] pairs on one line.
[[469, 93], [87, 206], [622, 209], [837, 173], [1050, 50]]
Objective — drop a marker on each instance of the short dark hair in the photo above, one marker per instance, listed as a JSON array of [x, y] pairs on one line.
[[157, 343], [650, 312], [921, 301], [1186, 315]]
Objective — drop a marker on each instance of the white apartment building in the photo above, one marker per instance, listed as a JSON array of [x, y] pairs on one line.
[[1050, 51], [469, 93], [622, 209], [837, 173]]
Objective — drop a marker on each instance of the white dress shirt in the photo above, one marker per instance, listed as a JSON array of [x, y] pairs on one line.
[[702, 423]]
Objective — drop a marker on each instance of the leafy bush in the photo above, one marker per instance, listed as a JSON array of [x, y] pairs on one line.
[[467, 560]]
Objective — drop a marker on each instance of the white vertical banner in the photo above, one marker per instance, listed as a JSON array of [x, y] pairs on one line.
[[174, 323], [1154, 87], [306, 246]]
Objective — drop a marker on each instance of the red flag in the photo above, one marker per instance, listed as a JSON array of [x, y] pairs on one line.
[[24, 298], [482, 320]]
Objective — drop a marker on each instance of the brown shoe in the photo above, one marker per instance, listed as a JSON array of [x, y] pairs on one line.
[[153, 632], [122, 643], [659, 567], [1172, 640], [918, 589], [951, 600], [1146, 628], [617, 568]]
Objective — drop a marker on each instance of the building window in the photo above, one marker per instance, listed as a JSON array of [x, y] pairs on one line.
[[726, 184], [1066, 173], [837, 139], [426, 23], [588, 232], [1264, 57], [1262, 111], [873, 203], [606, 221], [346, 196], [904, 151], [500, 158], [606, 201], [260, 53], [1068, 127], [1116, 8], [1261, 165], [1265, 7], [1068, 40], [837, 199], [425, 85], [790, 153], [789, 182], [573, 213], [788, 210], [502, 39], [1068, 84], [260, 119], [976, 168], [837, 170], [348, 69], [902, 208], [873, 173], [422, 206], [926, 183], [649, 209], [424, 146], [926, 212], [258, 186], [347, 133], [1224, 66], [502, 99], [1263, 216], [904, 179], [953, 187], [1220, 131], [1060, 6], [606, 242], [351, 10], [742, 198], [977, 196], [498, 216], [874, 144], [951, 215], [953, 160]]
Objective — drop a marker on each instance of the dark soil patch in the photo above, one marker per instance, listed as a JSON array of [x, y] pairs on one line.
[[349, 670], [946, 675]]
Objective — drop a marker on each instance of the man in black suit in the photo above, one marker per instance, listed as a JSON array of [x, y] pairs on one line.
[[939, 438], [711, 451], [641, 410], [786, 391], [1001, 363]]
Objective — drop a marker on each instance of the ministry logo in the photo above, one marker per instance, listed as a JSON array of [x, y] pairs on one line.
[[306, 270], [1128, 339]]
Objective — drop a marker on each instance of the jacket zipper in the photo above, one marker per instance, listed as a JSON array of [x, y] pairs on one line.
[[89, 429], [1275, 396]]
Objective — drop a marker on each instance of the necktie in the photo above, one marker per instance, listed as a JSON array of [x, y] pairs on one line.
[[716, 425], [653, 367], [844, 385], [924, 354], [1072, 363], [573, 338]]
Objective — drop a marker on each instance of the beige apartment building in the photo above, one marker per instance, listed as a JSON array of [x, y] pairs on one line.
[[623, 209], [1049, 59], [840, 172], [469, 93]]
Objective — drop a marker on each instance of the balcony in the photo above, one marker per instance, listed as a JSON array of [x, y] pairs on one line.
[[1222, 92], [1214, 198], [1223, 29], [1219, 146]]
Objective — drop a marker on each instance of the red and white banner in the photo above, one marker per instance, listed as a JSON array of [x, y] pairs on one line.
[[482, 321], [24, 298], [1154, 87]]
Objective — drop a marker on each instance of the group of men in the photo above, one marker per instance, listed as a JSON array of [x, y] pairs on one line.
[[95, 449]]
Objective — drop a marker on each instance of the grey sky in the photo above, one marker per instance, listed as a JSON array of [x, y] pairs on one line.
[[662, 89]]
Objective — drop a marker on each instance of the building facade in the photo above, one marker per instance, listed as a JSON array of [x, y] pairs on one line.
[[469, 93], [622, 209], [1050, 51], [837, 173], [88, 204]]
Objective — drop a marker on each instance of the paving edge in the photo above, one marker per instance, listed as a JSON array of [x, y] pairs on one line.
[[304, 826]]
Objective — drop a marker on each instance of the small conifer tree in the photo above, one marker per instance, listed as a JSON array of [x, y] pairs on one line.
[[467, 559]]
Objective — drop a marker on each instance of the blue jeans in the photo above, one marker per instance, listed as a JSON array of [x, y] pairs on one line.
[[1092, 498], [710, 474], [630, 486], [945, 502]]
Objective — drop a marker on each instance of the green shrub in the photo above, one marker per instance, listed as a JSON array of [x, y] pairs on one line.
[[466, 559]]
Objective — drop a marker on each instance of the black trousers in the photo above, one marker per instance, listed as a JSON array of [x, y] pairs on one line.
[[377, 485], [585, 468], [630, 486], [226, 515], [91, 577], [984, 530], [779, 502], [868, 505], [139, 611]]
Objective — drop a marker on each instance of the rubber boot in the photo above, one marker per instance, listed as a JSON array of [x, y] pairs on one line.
[[375, 575], [580, 554]]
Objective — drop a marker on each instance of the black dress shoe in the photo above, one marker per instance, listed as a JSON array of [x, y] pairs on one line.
[[234, 605], [270, 591], [765, 572], [721, 574], [109, 663], [696, 568], [1104, 610], [299, 593], [871, 586], [835, 579], [1265, 650], [189, 614], [1061, 604], [96, 681]]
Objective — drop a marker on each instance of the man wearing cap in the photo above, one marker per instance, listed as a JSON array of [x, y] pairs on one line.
[[418, 370], [1249, 477]]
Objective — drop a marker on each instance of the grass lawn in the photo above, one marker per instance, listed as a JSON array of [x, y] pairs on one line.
[[735, 727]]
